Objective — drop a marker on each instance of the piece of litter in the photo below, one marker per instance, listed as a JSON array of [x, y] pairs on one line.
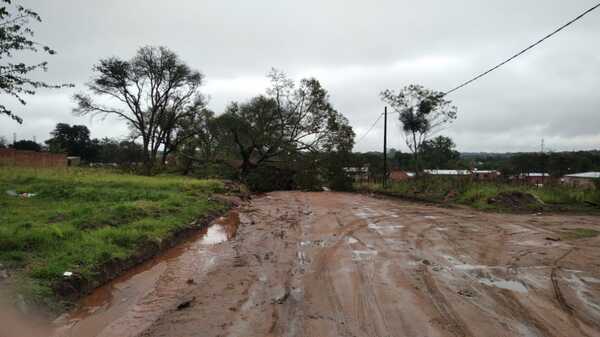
[[67, 274]]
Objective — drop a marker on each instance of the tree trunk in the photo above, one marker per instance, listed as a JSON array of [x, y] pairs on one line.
[[147, 161], [247, 166], [416, 156]]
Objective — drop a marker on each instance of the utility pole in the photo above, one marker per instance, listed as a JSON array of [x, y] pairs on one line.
[[543, 158], [385, 169]]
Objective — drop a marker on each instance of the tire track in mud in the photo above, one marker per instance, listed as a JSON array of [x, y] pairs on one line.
[[450, 319], [320, 249], [556, 287], [510, 306], [503, 298], [560, 298], [322, 275]]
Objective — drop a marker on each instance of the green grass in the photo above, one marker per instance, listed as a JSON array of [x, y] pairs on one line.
[[477, 194], [580, 233], [80, 219]]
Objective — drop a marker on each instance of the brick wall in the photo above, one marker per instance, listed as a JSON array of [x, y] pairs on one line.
[[13, 157]]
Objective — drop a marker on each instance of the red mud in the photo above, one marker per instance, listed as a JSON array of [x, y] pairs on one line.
[[334, 264]]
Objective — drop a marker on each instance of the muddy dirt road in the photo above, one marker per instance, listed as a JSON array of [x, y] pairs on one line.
[[328, 264]]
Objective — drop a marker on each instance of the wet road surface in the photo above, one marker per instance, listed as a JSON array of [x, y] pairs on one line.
[[333, 264]]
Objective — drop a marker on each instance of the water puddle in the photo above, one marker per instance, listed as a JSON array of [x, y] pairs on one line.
[[362, 255], [132, 301], [591, 279], [505, 284], [224, 229], [352, 240], [313, 243]]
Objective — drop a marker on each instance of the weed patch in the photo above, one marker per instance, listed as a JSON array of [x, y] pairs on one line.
[[580, 233]]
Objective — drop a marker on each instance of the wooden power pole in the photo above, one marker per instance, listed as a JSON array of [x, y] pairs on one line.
[[385, 169]]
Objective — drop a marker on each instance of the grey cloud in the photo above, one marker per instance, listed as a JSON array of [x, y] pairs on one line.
[[356, 48]]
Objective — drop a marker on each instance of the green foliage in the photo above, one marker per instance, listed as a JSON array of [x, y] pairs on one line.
[[269, 178], [72, 140], [580, 233], [422, 113], [26, 145], [288, 120], [334, 164], [124, 153], [82, 218], [477, 194], [153, 92], [439, 153]]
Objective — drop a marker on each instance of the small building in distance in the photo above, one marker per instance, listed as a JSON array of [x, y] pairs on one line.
[[73, 161], [584, 179], [534, 178], [448, 173], [486, 175], [358, 173]]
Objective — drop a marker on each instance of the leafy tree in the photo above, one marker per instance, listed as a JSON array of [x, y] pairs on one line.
[[3, 143], [152, 92], [422, 112], [288, 119], [73, 140], [439, 152], [16, 37], [27, 145], [199, 140], [123, 153]]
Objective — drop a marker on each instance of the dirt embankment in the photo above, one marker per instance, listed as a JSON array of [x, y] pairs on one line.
[[329, 264]]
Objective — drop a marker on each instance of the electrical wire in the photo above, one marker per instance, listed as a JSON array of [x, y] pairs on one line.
[[370, 129], [556, 31], [464, 84]]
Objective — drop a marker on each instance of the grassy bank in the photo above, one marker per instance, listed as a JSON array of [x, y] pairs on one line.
[[79, 220], [481, 194]]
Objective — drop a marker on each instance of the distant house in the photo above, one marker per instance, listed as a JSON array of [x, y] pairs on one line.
[[358, 173], [73, 161], [585, 179], [448, 173], [534, 178], [485, 175]]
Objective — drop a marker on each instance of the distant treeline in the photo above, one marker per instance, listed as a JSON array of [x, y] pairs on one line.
[[556, 164]]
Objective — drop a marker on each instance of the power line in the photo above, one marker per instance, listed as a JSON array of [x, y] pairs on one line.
[[464, 84], [524, 50], [370, 129]]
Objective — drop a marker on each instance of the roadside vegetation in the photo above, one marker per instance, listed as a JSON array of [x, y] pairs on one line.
[[78, 220], [495, 196]]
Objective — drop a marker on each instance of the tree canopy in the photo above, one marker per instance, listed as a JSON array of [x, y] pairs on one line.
[[16, 36], [26, 145], [73, 140], [289, 118], [422, 112], [152, 92], [439, 153]]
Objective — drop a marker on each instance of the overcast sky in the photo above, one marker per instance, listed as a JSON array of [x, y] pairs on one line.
[[356, 49]]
